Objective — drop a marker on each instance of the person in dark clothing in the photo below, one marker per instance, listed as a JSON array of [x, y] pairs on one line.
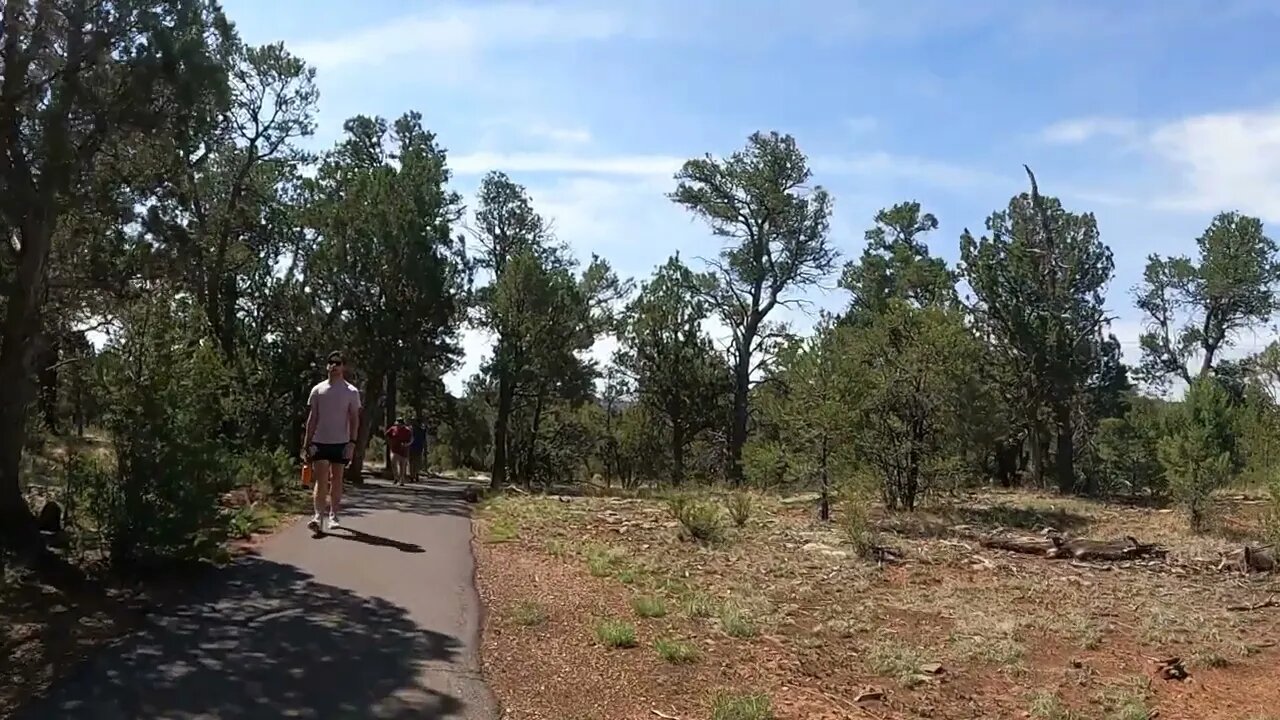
[[417, 448]]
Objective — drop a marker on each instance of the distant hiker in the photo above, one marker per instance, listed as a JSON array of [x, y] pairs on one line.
[[332, 424], [398, 438], [417, 448]]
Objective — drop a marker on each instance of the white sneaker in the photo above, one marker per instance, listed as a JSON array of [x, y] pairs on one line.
[[314, 524], [333, 522]]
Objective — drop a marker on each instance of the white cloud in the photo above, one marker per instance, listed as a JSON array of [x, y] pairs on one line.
[[560, 135], [454, 31], [496, 133], [1082, 130], [628, 220], [551, 162], [877, 165], [1223, 161], [881, 165], [1198, 164]]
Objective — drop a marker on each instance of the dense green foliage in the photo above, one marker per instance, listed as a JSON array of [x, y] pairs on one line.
[[175, 266]]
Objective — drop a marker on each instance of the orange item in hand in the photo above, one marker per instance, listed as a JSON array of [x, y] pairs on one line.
[[306, 475]]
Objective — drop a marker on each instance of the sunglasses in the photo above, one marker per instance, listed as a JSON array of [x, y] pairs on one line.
[[334, 362]]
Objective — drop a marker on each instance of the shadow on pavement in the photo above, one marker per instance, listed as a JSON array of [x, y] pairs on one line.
[[266, 641], [346, 533]]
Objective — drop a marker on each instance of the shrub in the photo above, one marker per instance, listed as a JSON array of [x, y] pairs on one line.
[[698, 519], [1128, 451], [648, 607], [764, 464], [740, 508], [699, 605], [742, 707], [735, 622], [1196, 455], [243, 522], [270, 472], [169, 398], [502, 530], [1271, 515], [616, 634], [857, 529], [675, 651], [529, 614], [1047, 706]]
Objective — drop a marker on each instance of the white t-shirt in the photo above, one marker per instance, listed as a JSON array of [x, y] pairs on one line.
[[332, 403]]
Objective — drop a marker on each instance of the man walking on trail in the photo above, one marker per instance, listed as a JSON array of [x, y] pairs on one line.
[[398, 438], [332, 424], [417, 448]]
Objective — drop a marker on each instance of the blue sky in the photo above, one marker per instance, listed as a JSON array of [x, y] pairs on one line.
[[1152, 114]]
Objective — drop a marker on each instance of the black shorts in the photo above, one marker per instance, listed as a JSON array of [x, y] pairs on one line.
[[330, 452]]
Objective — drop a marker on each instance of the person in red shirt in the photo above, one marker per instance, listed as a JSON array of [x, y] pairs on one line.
[[398, 438]]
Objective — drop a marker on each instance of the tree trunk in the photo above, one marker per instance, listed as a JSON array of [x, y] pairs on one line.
[[741, 390], [824, 502], [531, 456], [611, 455], [1007, 463], [21, 324], [677, 455], [1065, 461], [1036, 442], [47, 371], [501, 429], [911, 486], [389, 417], [17, 523]]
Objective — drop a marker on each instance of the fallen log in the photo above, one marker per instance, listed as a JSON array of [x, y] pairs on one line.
[[1251, 559], [1112, 550], [1058, 547], [1026, 546]]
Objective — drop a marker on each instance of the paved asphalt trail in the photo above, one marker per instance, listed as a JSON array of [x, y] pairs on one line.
[[377, 620]]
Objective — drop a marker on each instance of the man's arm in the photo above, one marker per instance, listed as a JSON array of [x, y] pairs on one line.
[[313, 419], [353, 427], [353, 418]]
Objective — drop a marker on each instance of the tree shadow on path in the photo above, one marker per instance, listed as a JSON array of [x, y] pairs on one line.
[[262, 640]]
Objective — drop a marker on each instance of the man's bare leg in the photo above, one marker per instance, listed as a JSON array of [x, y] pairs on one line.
[[320, 470], [335, 491]]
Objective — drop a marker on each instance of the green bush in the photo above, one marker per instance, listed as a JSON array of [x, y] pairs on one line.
[[440, 458], [168, 398], [740, 507], [1197, 454], [1128, 451], [270, 472], [675, 651], [647, 606], [1271, 515], [616, 634], [742, 707], [852, 517], [736, 623], [699, 519], [765, 464]]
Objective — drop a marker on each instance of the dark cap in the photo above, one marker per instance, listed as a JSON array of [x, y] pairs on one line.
[[335, 357]]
